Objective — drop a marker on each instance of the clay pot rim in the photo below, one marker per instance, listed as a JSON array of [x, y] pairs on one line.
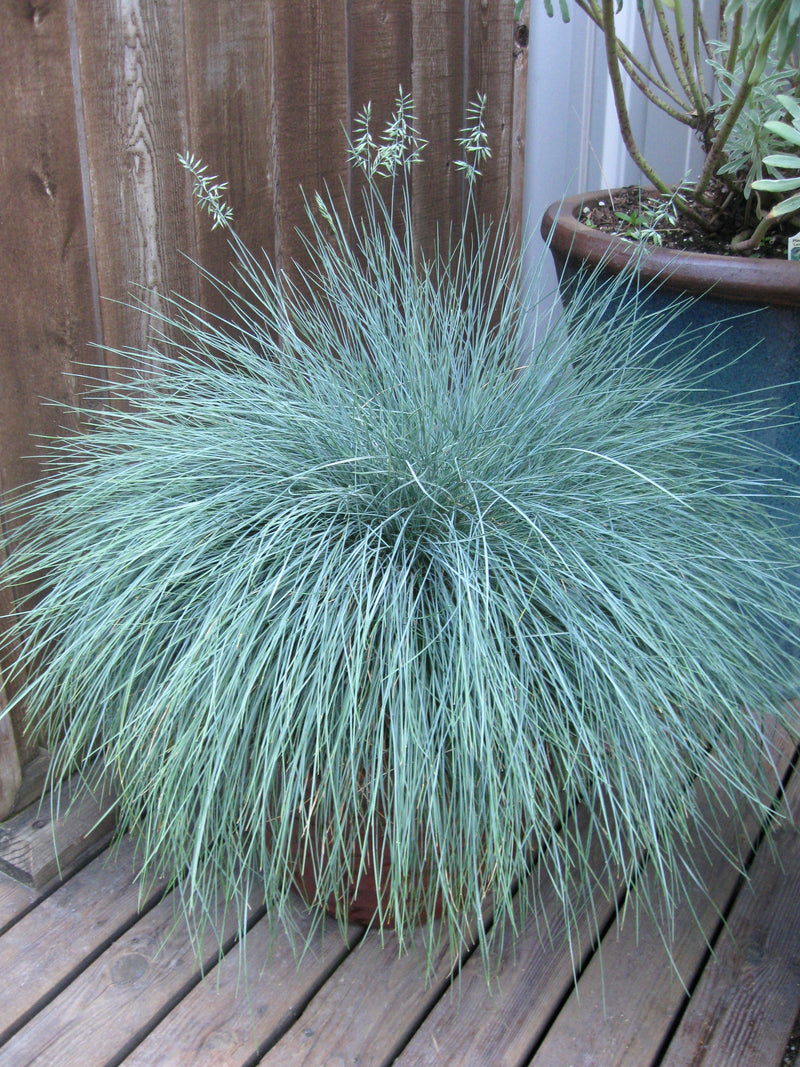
[[740, 278]]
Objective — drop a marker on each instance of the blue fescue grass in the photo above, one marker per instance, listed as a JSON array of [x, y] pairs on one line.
[[362, 556]]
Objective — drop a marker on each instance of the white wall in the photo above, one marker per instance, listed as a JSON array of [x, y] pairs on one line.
[[572, 141]]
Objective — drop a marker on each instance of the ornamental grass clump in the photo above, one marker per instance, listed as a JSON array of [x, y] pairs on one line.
[[363, 579]]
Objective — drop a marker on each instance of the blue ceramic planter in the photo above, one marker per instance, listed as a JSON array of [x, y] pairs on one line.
[[756, 301]]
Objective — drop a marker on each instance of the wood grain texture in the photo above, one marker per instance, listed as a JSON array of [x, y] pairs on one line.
[[11, 675], [309, 91], [249, 999], [381, 53], [490, 72], [518, 127], [743, 1010], [132, 89], [34, 778], [627, 997], [438, 87], [472, 1026], [15, 900], [117, 1000], [47, 318], [38, 842], [230, 92], [41, 951], [10, 768], [365, 1013]]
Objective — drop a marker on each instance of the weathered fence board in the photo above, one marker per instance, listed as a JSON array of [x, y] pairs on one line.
[[438, 79], [47, 317], [230, 78], [10, 767], [132, 95], [101, 97]]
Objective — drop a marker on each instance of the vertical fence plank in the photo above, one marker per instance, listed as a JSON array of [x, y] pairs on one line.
[[310, 93], [24, 745], [380, 58], [380, 52], [47, 317], [10, 767], [439, 87], [230, 79], [516, 179], [491, 60], [132, 84]]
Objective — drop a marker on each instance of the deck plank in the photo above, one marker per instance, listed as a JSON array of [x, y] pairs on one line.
[[627, 997], [367, 1008], [65, 932], [743, 1010], [239, 1010], [15, 899], [470, 1027], [112, 1005], [39, 841]]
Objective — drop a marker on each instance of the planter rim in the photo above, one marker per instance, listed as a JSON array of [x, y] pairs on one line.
[[740, 278]]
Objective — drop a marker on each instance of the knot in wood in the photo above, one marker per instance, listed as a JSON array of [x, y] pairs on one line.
[[127, 969], [37, 9]]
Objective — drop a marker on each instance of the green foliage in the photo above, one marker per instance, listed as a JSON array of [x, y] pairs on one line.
[[768, 25], [751, 138], [649, 221], [361, 557], [718, 89], [788, 133]]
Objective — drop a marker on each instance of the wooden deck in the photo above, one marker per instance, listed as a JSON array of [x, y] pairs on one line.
[[88, 977]]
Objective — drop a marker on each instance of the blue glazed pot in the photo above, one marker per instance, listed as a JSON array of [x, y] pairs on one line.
[[756, 301]]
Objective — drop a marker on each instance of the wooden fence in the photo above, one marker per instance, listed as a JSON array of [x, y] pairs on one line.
[[99, 98]]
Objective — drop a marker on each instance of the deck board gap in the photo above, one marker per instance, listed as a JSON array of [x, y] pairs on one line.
[[199, 975], [721, 926], [291, 1017], [594, 946]]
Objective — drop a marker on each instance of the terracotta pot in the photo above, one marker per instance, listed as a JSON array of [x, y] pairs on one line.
[[362, 900], [733, 279]]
